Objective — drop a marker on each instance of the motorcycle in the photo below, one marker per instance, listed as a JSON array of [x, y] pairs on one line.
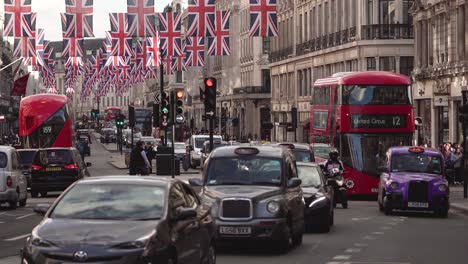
[[339, 187]]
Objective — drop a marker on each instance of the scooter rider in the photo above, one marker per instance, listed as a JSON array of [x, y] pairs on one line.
[[334, 161], [333, 164]]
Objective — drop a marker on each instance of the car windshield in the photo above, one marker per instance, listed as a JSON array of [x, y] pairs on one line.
[[179, 146], [199, 141], [322, 151], [112, 202], [3, 160], [244, 171], [416, 163], [301, 155], [309, 175], [27, 156], [53, 156]]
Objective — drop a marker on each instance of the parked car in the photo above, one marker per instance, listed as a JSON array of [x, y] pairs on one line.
[[250, 186], [146, 220], [302, 152], [54, 169], [27, 156], [318, 197], [205, 151], [108, 135], [413, 179], [13, 186], [195, 143]]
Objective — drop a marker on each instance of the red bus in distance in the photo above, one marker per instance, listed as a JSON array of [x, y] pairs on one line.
[[111, 113], [361, 114], [44, 121]]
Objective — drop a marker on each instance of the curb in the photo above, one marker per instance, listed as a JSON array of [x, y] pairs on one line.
[[460, 207], [117, 165]]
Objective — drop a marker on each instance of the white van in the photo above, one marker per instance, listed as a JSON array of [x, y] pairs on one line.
[[196, 145]]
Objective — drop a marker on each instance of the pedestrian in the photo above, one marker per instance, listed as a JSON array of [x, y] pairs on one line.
[[447, 154], [150, 154], [139, 163], [81, 148], [457, 159]]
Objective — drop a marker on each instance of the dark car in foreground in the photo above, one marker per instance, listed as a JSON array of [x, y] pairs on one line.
[[413, 179], [255, 195], [27, 156], [54, 169], [123, 219], [318, 197]]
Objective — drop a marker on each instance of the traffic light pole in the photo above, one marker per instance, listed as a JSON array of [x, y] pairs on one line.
[[464, 161]]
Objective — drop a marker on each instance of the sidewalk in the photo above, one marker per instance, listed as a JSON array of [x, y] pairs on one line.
[[456, 199]]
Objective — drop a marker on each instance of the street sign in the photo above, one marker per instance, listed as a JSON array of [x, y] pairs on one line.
[[211, 113], [180, 119], [157, 98]]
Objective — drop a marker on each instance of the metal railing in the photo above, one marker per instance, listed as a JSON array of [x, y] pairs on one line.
[[387, 31]]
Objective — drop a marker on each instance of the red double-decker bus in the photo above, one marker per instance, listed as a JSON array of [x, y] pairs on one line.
[[111, 113], [361, 114], [44, 121]]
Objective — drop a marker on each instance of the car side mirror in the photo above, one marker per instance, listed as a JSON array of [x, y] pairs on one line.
[[294, 182], [186, 213], [88, 164], [195, 182], [41, 209]]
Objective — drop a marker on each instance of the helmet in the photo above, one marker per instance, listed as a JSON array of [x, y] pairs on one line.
[[334, 154]]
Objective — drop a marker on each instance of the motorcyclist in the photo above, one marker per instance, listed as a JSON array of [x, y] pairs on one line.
[[334, 161]]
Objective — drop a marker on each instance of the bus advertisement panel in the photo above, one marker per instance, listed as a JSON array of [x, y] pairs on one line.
[[362, 114], [44, 121]]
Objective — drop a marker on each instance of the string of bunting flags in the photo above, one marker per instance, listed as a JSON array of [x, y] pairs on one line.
[[134, 47]]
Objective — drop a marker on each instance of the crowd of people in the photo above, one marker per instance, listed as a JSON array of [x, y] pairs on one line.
[[141, 158], [453, 158]]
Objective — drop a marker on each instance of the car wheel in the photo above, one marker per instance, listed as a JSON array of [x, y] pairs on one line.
[[442, 213], [171, 260], [283, 245], [297, 239], [22, 203], [332, 218], [43, 194], [13, 204], [324, 227], [387, 206], [34, 194], [210, 256]]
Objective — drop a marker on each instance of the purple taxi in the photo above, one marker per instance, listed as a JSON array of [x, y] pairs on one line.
[[412, 178]]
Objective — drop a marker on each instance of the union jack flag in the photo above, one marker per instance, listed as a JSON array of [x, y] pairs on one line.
[[195, 48], [72, 47], [152, 50], [178, 64], [150, 74], [169, 30], [19, 21], [141, 18], [121, 40], [141, 56], [115, 62], [197, 17], [219, 44], [72, 26], [24, 47], [37, 60], [74, 62], [263, 18]]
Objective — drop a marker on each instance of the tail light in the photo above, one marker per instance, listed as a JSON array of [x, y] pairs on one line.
[[36, 167], [72, 166], [9, 181]]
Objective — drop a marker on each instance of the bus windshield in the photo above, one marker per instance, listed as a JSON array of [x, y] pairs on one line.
[[376, 95], [366, 152]]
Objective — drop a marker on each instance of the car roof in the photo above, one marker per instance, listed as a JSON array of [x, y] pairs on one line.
[[296, 145], [264, 151], [143, 180], [404, 149], [57, 148], [6, 148]]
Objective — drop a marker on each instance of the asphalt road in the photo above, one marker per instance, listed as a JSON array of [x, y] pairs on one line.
[[361, 234]]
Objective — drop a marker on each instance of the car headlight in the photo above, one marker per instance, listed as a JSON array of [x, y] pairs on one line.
[[39, 242], [316, 201], [394, 185], [273, 207], [442, 187], [138, 243]]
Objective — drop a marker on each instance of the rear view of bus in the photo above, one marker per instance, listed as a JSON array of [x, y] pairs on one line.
[[365, 113], [44, 121]]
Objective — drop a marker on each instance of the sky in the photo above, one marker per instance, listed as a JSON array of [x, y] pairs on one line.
[[48, 15]]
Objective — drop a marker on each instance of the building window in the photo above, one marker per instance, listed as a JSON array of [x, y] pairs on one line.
[[300, 29], [407, 17], [387, 64], [266, 81], [371, 64], [266, 45], [370, 12], [306, 28], [406, 65], [387, 14]]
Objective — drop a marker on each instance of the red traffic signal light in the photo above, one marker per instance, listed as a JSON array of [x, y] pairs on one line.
[[209, 82], [180, 95]]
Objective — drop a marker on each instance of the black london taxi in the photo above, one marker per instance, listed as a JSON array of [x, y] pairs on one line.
[[254, 194]]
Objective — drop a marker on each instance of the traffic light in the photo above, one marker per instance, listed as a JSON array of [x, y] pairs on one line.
[[93, 113], [119, 121], [155, 115], [165, 109], [210, 96], [131, 116]]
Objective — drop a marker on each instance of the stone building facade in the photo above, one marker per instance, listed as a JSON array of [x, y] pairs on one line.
[[441, 67], [321, 37]]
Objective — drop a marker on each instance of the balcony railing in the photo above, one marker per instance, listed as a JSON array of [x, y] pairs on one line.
[[387, 31]]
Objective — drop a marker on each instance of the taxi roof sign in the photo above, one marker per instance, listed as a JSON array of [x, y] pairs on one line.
[[246, 151], [416, 150]]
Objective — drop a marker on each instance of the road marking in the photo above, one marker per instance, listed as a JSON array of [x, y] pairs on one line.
[[17, 238], [24, 216], [369, 238], [392, 224], [385, 227], [353, 250], [360, 245], [360, 219], [377, 233], [342, 257]]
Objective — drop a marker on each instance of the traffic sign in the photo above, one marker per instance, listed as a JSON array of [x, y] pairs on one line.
[[180, 119], [157, 98], [211, 113]]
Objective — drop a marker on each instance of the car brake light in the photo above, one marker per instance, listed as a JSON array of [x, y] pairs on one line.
[[9, 181], [72, 166], [36, 167]]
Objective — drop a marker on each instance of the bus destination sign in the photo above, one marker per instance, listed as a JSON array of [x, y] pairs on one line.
[[378, 121]]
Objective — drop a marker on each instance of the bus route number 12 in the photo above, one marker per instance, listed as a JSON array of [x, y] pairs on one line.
[[396, 121]]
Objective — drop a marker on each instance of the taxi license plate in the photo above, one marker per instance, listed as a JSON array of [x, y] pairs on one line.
[[418, 205], [54, 169], [235, 230]]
